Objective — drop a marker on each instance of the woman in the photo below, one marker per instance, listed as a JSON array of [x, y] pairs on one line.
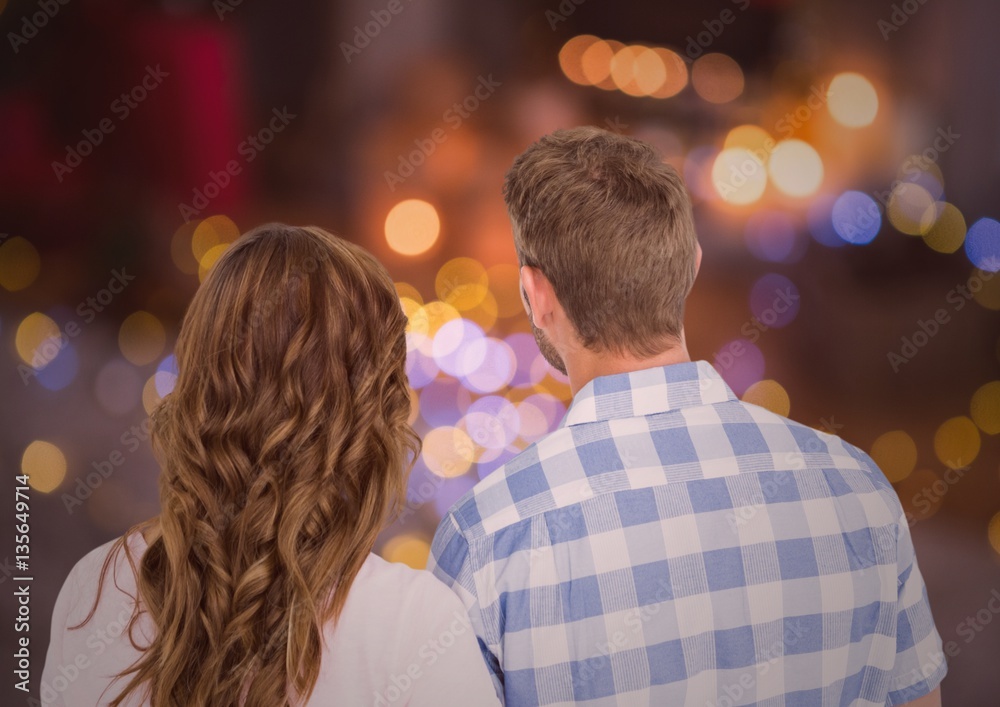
[[284, 449]]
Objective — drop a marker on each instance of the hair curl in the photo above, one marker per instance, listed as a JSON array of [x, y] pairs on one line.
[[284, 450]]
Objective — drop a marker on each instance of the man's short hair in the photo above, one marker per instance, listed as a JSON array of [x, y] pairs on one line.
[[610, 225]]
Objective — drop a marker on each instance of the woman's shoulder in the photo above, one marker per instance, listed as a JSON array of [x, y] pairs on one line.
[[393, 590], [378, 574], [107, 566]]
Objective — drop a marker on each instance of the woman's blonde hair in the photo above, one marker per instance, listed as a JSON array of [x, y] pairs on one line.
[[284, 449]]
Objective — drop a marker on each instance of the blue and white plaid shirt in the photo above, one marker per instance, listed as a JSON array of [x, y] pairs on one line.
[[672, 545]]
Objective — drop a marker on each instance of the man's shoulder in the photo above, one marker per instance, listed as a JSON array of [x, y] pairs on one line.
[[557, 470], [514, 491]]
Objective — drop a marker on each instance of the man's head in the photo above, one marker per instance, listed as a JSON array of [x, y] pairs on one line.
[[604, 226]]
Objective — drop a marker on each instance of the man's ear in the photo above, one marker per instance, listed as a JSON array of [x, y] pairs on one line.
[[536, 294], [697, 258]]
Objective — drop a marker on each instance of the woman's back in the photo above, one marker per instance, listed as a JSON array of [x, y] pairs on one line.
[[284, 448], [402, 638]]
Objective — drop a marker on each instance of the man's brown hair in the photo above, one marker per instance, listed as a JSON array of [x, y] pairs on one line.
[[610, 225]]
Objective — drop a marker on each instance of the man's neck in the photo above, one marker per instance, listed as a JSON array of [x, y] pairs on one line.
[[583, 365]]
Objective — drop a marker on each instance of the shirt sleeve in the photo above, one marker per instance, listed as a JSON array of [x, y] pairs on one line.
[[920, 663], [450, 562]]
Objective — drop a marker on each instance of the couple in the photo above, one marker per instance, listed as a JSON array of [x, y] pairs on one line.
[[666, 545]]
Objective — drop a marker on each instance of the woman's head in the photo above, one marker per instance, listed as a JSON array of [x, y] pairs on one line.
[[285, 447]]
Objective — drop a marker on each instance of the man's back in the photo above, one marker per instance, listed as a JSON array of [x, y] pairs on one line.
[[670, 544]]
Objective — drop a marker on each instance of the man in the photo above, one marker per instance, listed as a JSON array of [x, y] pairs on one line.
[[670, 544]]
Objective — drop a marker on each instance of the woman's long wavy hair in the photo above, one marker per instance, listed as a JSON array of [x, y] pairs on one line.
[[284, 450]]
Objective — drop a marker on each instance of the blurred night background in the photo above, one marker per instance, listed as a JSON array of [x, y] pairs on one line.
[[843, 157]]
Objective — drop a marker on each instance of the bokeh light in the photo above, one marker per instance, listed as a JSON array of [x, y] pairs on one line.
[[505, 282], [61, 370], [912, 209], [407, 549], [166, 376], [740, 363], [141, 338], [982, 244], [462, 283], [496, 369], [985, 408], [956, 442], [717, 78], [571, 58], [459, 347], [750, 137], [676, 74], [448, 451], [649, 73], [37, 340], [151, 397], [895, 453], [738, 176], [209, 234], [947, 234], [770, 395], [638, 71], [210, 258], [595, 63], [985, 289], [493, 422], [853, 100], [19, 264], [623, 65], [45, 466], [856, 217], [412, 227], [407, 291], [796, 168], [993, 532]]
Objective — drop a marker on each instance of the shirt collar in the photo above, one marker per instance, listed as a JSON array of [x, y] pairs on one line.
[[648, 392]]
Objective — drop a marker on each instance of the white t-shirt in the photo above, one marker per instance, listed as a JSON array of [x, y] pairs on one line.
[[403, 638]]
